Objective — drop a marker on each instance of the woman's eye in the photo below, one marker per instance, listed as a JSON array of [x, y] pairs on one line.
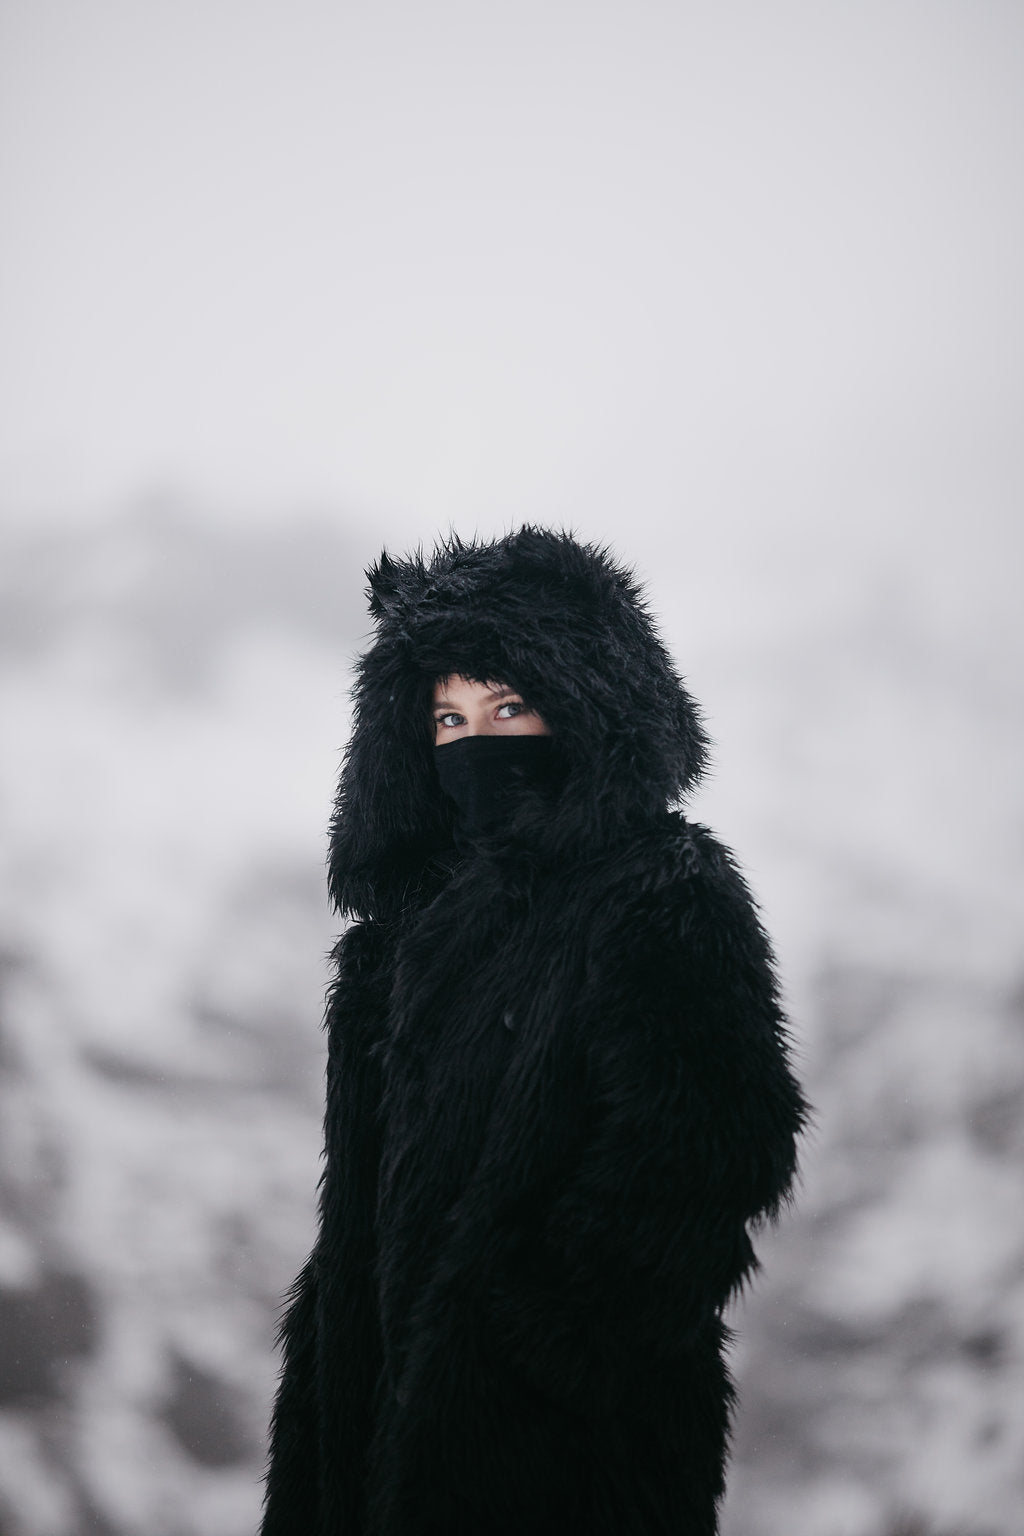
[[450, 720], [514, 707]]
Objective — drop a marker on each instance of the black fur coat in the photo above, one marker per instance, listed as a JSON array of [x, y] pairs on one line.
[[558, 1093]]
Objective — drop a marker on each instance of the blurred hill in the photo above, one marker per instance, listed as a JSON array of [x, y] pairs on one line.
[[173, 692]]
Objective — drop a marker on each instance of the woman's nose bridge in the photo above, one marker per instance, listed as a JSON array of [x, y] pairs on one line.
[[480, 721]]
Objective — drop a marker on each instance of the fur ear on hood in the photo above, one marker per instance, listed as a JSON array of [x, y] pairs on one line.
[[559, 621]]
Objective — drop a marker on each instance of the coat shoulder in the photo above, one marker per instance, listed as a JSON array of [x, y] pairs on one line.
[[677, 920], [359, 985], [680, 867], [360, 948]]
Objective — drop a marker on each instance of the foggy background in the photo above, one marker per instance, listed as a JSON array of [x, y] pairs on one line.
[[735, 287]]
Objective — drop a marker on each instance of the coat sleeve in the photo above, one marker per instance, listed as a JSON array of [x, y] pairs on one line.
[[329, 1332], [691, 1119], [293, 1475]]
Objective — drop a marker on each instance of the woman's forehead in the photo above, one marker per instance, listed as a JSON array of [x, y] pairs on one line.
[[456, 684]]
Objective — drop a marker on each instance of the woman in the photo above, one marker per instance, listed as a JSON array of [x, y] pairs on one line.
[[558, 1090]]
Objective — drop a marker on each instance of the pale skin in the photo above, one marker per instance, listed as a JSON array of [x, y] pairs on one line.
[[463, 707]]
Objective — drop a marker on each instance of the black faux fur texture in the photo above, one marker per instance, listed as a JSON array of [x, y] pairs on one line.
[[555, 619], [558, 1094]]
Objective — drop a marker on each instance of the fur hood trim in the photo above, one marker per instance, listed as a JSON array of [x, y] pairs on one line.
[[565, 625]]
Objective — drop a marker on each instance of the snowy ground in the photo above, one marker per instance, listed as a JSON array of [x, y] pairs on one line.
[[173, 702]]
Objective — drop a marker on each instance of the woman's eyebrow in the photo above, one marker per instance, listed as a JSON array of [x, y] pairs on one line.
[[501, 692]]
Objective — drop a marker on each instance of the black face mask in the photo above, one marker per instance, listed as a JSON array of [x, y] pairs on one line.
[[485, 775]]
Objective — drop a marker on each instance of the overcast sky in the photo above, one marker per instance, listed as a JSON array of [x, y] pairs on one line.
[[749, 271]]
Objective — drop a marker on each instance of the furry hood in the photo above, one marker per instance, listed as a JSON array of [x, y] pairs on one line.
[[553, 618]]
